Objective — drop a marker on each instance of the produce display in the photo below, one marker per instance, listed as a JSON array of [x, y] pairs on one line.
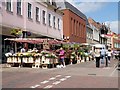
[[32, 57]]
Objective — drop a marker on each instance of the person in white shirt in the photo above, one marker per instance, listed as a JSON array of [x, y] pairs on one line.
[[109, 54], [23, 50], [97, 56]]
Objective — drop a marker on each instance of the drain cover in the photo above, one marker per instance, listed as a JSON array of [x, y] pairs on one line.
[[91, 74]]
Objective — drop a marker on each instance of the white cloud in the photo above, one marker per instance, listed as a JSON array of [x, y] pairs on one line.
[[87, 7], [113, 25], [92, 0]]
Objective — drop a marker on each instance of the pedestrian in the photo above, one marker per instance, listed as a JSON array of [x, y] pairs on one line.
[[62, 56], [119, 55], [103, 53], [97, 56], [23, 50], [109, 54], [11, 51]]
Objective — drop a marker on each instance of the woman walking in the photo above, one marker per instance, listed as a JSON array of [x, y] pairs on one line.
[[97, 56]]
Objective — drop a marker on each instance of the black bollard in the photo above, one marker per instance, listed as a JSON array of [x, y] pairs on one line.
[[106, 61], [21, 65]]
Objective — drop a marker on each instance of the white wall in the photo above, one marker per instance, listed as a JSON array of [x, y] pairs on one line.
[[14, 21], [95, 33]]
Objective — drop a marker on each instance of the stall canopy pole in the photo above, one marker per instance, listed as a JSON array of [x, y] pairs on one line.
[[4, 46], [15, 47]]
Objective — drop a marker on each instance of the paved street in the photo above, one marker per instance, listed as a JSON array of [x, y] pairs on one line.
[[82, 75]]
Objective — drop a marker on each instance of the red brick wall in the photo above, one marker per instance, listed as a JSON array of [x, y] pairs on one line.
[[74, 26]]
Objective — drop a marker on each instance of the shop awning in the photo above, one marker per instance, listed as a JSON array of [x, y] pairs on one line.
[[26, 40], [55, 41], [35, 40]]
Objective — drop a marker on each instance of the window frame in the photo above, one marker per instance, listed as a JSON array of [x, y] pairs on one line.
[[19, 7], [54, 22], [37, 16], [43, 15], [58, 24], [9, 6], [29, 11], [49, 19]]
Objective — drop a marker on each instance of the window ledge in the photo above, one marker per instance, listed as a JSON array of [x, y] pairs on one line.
[[50, 26], [10, 12], [19, 15], [30, 19], [37, 21], [54, 27], [44, 24]]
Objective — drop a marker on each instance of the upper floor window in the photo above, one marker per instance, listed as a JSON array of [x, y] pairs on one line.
[[29, 11], [19, 10], [49, 19], [49, 1], [37, 14], [58, 24], [0, 6], [9, 5], [74, 27], [44, 15], [54, 21], [54, 3]]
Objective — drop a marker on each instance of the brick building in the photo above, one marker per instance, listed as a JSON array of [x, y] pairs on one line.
[[74, 24]]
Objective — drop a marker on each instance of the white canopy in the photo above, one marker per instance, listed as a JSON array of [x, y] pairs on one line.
[[99, 46]]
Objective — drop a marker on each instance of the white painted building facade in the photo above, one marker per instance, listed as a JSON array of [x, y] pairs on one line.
[[32, 16], [95, 34]]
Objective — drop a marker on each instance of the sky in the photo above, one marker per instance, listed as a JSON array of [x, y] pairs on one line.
[[103, 11]]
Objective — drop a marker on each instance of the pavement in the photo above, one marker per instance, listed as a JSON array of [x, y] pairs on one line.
[[82, 75]]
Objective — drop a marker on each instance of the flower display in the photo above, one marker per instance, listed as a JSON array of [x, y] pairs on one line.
[[8, 54]]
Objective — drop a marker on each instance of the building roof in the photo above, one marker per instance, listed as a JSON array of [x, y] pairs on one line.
[[67, 5]]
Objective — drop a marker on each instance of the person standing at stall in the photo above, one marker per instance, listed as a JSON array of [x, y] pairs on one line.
[[22, 50], [97, 57], [62, 56]]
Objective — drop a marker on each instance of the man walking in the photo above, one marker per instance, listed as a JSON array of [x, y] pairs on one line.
[[109, 55], [103, 53]]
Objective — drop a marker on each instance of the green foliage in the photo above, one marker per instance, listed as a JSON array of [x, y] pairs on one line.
[[16, 32], [13, 31], [66, 46], [76, 45]]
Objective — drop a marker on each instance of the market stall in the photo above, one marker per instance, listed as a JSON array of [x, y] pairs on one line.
[[77, 52], [35, 58]]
